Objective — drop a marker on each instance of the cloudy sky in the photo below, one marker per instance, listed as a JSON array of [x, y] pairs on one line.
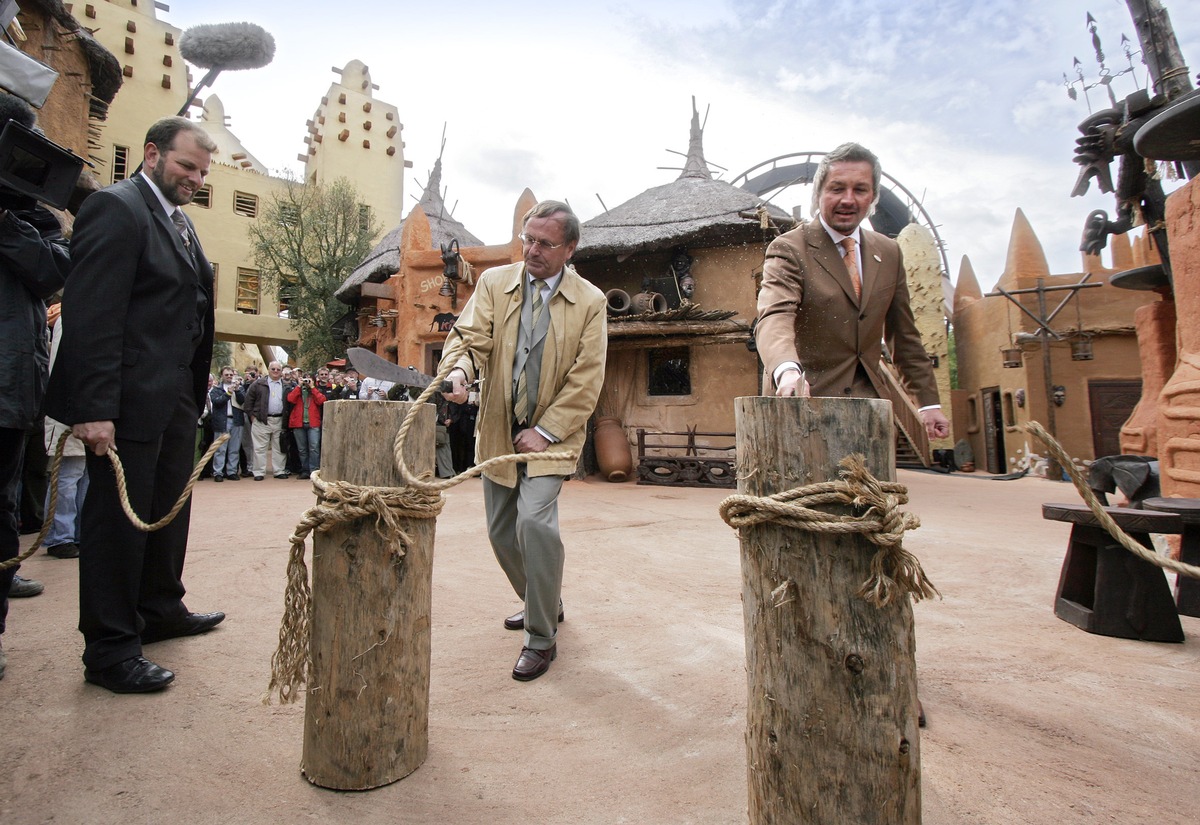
[[963, 100]]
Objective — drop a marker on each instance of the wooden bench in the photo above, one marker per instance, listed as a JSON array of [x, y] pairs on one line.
[[1187, 589], [678, 460], [1105, 589]]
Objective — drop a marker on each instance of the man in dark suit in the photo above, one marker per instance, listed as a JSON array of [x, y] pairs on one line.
[[131, 373], [832, 290]]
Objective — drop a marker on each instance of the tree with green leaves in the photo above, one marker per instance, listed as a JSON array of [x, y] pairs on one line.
[[306, 242]]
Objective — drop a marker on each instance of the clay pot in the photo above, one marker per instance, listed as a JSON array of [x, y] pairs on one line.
[[612, 450], [619, 302], [649, 302]]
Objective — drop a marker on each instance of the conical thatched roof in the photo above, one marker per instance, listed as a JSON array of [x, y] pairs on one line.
[[693, 210], [384, 260]]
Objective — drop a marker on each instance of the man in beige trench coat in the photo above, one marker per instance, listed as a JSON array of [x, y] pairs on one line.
[[536, 332]]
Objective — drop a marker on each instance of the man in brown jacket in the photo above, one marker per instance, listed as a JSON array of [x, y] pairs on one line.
[[536, 331], [820, 322]]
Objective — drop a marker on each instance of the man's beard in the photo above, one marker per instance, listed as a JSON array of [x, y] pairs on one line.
[[171, 193]]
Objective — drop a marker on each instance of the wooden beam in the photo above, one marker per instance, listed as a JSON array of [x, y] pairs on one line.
[[648, 341], [373, 290]]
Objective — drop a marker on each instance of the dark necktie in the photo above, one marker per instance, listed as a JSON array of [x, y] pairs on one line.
[[181, 228]]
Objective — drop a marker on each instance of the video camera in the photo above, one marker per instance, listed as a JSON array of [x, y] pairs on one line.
[[34, 168]]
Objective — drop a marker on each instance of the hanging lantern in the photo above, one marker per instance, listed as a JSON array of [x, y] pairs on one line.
[[1081, 349], [1011, 357]]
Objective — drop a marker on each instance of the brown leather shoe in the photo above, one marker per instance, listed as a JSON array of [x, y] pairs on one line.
[[517, 620], [533, 663]]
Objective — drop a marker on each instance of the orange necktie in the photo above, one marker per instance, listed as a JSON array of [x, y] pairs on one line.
[[852, 265]]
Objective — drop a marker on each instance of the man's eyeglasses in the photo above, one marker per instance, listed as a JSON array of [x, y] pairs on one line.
[[528, 241]]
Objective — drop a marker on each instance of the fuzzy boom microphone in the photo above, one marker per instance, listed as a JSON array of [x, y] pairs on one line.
[[227, 46], [220, 46]]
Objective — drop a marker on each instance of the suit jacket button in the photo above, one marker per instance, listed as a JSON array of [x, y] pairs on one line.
[[846, 391]]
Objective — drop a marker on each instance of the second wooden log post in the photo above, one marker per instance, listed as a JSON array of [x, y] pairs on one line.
[[831, 732], [366, 715]]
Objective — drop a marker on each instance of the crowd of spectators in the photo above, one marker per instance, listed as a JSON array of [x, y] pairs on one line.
[[274, 421]]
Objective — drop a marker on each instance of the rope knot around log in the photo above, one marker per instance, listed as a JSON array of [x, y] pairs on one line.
[[878, 518], [338, 502]]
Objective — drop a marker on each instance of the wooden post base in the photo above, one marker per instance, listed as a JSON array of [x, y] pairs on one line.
[[831, 717], [366, 713]]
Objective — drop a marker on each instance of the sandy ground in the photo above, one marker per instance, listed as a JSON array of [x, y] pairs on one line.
[[641, 718]]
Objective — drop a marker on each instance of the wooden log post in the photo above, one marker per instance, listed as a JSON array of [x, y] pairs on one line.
[[366, 720], [831, 733]]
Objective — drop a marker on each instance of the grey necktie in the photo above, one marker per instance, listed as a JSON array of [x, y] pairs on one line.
[[181, 227], [522, 404]]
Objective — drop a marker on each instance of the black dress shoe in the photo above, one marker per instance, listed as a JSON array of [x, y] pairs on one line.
[[136, 675], [188, 625], [218, 478], [533, 663], [517, 620], [66, 550], [233, 477]]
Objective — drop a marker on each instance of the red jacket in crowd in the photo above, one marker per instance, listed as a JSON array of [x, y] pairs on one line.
[[315, 401]]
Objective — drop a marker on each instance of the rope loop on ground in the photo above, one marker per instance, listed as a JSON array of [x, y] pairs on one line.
[[122, 494], [1106, 521], [339, 502], [877, 517]]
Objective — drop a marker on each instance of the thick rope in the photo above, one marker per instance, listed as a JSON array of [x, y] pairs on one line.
[[122, 494], [894, 571], [339, 503], [1106, 521]]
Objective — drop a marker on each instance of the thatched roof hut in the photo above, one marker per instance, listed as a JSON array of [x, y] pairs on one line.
[[384, 260], [104, 67], [692, 211]]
